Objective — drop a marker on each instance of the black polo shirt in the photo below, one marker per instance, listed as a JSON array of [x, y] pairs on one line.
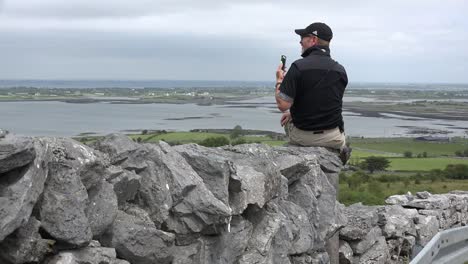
[[315, 85]]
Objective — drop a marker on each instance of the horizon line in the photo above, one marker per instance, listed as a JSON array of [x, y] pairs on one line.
[[247, 81]]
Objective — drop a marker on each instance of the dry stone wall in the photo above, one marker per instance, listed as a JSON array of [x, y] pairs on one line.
[[124, 202], [396, 232], [120, 202]]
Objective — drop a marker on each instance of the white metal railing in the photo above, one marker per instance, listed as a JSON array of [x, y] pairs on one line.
[[449, 246]]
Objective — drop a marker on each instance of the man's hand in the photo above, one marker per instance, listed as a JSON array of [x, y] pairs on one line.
[[285, 118], [280, 73]]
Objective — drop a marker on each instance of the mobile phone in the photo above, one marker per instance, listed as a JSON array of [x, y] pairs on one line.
[[283, 60]]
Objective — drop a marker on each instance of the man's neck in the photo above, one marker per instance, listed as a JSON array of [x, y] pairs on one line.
[[325, 50]]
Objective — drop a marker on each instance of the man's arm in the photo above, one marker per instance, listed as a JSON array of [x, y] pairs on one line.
[[283, 104], [285, 87]]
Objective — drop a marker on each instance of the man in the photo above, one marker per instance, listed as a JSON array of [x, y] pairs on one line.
[[310, 95]]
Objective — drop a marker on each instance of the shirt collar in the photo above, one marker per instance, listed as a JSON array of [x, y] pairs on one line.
[[317, 50]]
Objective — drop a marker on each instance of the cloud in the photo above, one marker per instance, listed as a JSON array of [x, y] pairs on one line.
[[161, 38]]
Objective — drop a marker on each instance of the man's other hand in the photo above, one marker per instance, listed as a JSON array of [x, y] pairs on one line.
[[280, 73], [285, 118]]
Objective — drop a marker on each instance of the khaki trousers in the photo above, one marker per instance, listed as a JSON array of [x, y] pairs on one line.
[[331, 138]]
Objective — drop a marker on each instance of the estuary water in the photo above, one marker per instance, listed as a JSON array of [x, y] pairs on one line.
[[49, 118]]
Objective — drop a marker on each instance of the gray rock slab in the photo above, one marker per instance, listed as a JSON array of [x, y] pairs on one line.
[[91, 254], [92, 173], [361, 219], [345, 253], [25, 245], [427, 227], [314, 192], [397, 221], [214, 169], [16, 152], [102, 208], [195, 208], [256, 178], [314, 258], [190, 254], [435, 201], [267, 224], [20, 190], [63, 204], [226, 248], [126, 185], [378, 254], [423, 195], [117, 146], [301, 232], [136, 239], [397, 200], [361, 246]]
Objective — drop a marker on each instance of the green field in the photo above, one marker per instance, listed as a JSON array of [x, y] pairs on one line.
[[423, 164], [400, 145], [376, 193], [196, 137]]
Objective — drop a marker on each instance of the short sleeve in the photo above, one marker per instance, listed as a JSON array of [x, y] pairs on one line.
[[289, 85]]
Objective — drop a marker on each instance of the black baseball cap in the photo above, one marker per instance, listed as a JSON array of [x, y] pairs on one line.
[[321, 30]]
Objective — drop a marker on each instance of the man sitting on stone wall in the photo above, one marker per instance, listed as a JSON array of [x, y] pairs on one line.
[[310, 95]]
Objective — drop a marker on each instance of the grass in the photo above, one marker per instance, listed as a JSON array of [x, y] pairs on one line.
[[423, 164], [196, 137], [377, 196], [400, 145]]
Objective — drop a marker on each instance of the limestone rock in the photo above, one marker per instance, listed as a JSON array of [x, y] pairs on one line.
[[117, 146], [313, 191], [90, 254], [435, 201], [15, 153], [314, 258], [397, 221], [25, 245], [214, 169], [398, 199], [195, 208], [102, 208], [154, 194], [20, 190], [226, 248], [255, 178], [126, 185], [361, 219], [345, 253], [92, 173], [378, 254], [136, 239], [302, 232], [266, 225], [426, 228], [62, 208], [423, 195], [361, 246]]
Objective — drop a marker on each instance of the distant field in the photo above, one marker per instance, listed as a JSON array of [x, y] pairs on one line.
[[196, 137], [378, 195], [440, 154], [400, 145], [423, 164]]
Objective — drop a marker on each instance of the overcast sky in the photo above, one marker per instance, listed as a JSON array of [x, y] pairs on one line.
[[376, 41]]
